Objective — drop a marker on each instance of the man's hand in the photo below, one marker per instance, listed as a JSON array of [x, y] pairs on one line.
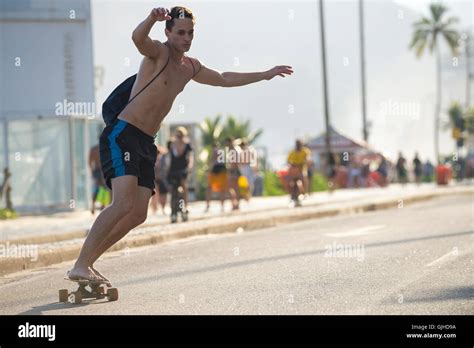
[[280, 70], [160, 14], [140, 36]]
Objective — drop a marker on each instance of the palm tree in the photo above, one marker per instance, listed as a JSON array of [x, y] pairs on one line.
[[428, 32], [239, 130], [213, 132], [210, 130]]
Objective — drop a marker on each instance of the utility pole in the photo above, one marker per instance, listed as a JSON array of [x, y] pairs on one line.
[[325, 89], [362, 71]]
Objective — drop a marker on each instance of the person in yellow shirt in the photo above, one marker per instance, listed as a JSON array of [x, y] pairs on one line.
[[298, 160]]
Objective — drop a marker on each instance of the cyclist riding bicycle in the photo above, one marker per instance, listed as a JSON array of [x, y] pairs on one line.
[[298, 160]]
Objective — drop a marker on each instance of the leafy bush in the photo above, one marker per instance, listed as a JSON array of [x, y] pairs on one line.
[[272, 185], [7, 214], [201, 180], [320, 183]]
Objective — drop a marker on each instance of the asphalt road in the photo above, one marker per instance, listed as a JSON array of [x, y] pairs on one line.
[[417, 259]]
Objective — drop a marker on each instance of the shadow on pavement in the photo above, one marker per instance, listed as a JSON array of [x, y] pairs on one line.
[[447, 294], [39, 310], [50, 307]]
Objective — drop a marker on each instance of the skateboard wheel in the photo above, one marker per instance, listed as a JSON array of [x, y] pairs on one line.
[[75, 298], [63, 295], [112, 294]]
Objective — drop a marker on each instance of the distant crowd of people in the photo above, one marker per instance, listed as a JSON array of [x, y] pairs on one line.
[[232, 172], [421, 171], [371, 170]]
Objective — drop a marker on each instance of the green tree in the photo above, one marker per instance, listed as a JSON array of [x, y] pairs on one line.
[[454, 112], [428, 31], [469, 120], [239, 130], [456, 121], [213, 131], [210, 130]]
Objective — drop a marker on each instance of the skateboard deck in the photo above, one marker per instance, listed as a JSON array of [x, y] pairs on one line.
[[87, 289]]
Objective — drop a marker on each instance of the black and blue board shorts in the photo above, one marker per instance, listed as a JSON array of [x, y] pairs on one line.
[[127, 150]]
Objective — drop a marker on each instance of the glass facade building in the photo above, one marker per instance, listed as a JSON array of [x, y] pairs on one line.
[[46, 59], [48, 159]]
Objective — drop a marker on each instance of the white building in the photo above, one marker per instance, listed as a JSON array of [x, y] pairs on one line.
[[46, 62]]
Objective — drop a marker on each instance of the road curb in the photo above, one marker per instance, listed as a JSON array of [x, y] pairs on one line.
[[246, 222]]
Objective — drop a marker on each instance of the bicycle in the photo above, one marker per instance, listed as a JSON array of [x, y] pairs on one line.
[[295, 184]]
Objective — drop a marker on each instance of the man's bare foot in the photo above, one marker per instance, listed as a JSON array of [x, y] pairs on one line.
[[83, 273], [97, 273]]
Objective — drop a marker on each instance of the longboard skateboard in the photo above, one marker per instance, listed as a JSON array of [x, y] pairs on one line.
[[88, 290]]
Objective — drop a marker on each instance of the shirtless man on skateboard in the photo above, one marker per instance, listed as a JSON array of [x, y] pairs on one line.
[[127, 146]]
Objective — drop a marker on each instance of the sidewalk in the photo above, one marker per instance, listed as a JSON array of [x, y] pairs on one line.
[[60, 226], [59, 237]]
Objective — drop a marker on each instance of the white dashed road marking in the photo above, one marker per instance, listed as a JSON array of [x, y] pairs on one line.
[[357, 232]]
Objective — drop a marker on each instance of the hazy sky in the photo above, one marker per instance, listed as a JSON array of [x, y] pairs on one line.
[[248, 36]]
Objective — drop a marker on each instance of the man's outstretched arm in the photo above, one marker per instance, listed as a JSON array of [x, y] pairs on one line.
[[212, 77], [148, 47]]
